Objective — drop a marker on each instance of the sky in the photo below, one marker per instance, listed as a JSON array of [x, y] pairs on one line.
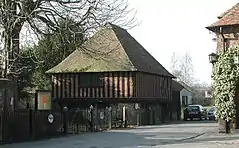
[[178, 26]]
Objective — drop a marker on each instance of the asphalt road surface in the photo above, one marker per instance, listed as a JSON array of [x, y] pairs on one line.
[[187, 134]]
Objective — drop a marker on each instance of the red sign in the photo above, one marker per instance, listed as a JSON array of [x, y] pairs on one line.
[[43, 99]]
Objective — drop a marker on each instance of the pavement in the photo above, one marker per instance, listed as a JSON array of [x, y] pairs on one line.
[[196, 134]]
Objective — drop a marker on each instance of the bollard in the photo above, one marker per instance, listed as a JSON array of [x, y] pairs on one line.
[[65, 120]]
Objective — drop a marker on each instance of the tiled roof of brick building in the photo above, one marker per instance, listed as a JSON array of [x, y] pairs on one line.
[[229, 17]]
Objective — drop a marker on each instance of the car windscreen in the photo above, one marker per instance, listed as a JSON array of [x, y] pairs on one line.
[[212, 109], [193, 108]]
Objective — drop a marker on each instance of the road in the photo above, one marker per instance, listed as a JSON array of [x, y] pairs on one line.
[[189, 134]]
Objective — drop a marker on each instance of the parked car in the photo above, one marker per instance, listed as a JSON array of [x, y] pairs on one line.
[[195, 111], [211, 113]]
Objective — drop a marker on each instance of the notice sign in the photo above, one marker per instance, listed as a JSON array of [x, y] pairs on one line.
[[43, 100], [50, 118]]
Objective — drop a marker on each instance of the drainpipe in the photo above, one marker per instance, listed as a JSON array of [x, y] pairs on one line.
[[223, 39]]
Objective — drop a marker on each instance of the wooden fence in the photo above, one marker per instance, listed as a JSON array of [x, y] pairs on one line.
[[28, 124]]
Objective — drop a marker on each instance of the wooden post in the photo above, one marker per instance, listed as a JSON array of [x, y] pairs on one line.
[[110, 118], [124, 114], [124, 117], [96, 117], [5, 113], [77, 128], [31, 124], [162, 113], [153, 115], [65, 120], [171, 111], [91, 120], [138, 114]]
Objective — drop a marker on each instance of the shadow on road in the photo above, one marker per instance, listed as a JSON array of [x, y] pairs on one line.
[[199, 121], [188, 124], [208, 139], [142, 136]]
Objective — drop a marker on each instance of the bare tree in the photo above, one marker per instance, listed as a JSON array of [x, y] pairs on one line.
[[187, 68], [183, 68], [42, 17], [173, 62]]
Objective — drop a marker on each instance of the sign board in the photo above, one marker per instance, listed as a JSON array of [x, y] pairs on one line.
[[101, 115], [50, 118], [43, 100]]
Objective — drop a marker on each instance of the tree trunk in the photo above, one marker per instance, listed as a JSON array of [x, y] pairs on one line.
[[11, 54]]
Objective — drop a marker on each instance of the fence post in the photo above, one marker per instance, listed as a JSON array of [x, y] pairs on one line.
[[5, 118], [77, 128], [171, 112], [109, 117], [31, 124], [162, 113], [96, 117], [65, 120], [137, 108]]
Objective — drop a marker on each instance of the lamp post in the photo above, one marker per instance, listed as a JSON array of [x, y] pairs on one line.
[[236, 59], [213, 57]]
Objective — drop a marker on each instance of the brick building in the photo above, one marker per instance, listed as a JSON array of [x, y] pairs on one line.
[[226, 29]]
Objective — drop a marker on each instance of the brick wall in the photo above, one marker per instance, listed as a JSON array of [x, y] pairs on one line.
[[231, 33]]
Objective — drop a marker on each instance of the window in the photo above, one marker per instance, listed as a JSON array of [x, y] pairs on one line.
[[193, 108], [90, 80], [184, 100]]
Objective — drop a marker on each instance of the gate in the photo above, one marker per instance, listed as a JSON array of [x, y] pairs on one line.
[[86, 120], [79, 120]]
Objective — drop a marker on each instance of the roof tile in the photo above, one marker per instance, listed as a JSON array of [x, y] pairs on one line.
[[229, 17]]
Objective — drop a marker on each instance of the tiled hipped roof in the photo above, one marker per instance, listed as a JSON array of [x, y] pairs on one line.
[[230, 17], [110, 49]]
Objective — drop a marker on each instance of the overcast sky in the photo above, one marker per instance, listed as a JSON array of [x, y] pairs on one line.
[[179, 26]]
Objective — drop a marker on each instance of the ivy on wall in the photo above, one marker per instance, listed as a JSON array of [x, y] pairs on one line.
[[225, 77]]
